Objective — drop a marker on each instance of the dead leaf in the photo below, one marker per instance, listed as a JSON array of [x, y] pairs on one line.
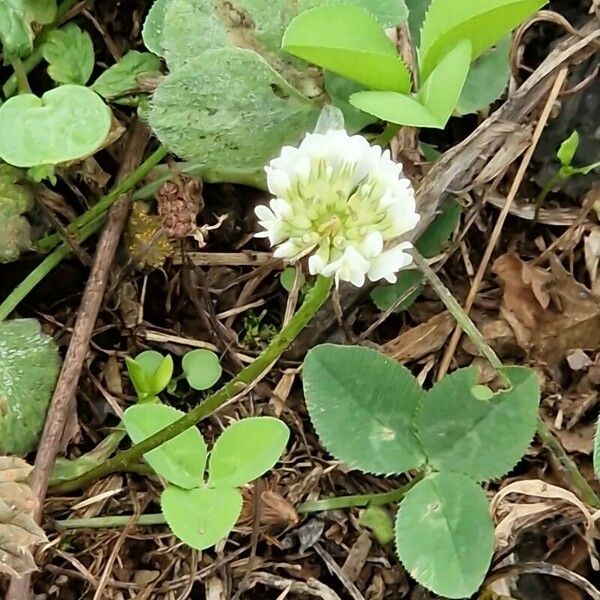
[[591, 249], [18, 529], [513, 517], [421, 340], [357, 557]]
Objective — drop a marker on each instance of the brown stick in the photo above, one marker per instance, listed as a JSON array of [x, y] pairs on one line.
[[64, 394]]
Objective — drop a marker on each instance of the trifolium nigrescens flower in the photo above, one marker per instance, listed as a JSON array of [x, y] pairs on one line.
[[341, 202]]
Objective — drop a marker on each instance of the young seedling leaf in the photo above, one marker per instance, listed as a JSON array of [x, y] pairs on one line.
[[246, 450], [482, 22], [150, 372], [201, 517], [15, 199], [153, 29], [230, 110], [445, 534], [124, 77], [429, 245], [567, 150], [16, 20], [181, 460], [202, 368], [70, 55], [77, 118], [395, 108], [487, 79], [483, 439], [379, 521], [355, 47], [442, 89], [29, 369], [362, 406]]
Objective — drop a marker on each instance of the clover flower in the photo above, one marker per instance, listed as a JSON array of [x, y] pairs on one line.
[[344, 204]]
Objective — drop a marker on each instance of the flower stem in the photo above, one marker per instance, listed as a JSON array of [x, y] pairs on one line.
[[101, 207], [111, 521], [555, 448], [314, 300], [357, 500], [51, 261], [21, 75]]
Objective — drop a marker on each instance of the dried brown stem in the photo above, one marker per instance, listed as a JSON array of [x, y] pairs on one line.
[[64, 394]]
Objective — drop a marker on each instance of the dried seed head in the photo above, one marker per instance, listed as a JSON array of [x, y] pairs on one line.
[[275, 511], [179, 203]]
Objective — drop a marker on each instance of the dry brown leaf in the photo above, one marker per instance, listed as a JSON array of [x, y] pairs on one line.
[[591, 249], [421, 340], [18, 529], [513, 517]]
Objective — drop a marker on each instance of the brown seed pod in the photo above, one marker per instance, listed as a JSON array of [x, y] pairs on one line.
[[179, 202]]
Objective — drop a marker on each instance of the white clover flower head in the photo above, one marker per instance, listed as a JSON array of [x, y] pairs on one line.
[[343, 203]]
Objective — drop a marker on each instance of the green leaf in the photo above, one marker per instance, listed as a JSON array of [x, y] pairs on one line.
[[150, 372], [460, 432], [181, 460], [379, 521], [567, 150], [288, 277], [246, 450], [202, 368], [481, 22], [29, 367], [362, 406], [15, 199], [356, 47], [395, 108], [417, 10], [487, 79], [339, 90], [16, 19], [445, 534], [77, 119], [430, 244], [201, 517], [153, 29], [388, 13], [442, 89], [123, 77], [70, 55], [229, 109]]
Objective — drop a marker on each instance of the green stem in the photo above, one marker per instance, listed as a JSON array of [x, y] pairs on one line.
[[101, 207], [539, 201], [249, 177], [109, 522], [357, 500], [314, 300], [12, 84], [555, 448], [51, 261], [21, 76]]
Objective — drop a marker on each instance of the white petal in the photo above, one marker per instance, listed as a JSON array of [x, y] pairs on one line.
[[278, 181], [372, 245], [264, 213], [285, 250], [390, 262], [315, 264]]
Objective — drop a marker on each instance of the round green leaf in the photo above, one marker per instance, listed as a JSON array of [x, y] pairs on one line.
[[66, 123], [246, 450], [202, 368], [482, 438], [29, 367], [362, 405], [181, 460], [201, 517], [228, 109], [152, 31], [445, 534]]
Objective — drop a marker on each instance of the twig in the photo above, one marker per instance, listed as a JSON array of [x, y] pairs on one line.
[[452, 345], [64, 394]]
